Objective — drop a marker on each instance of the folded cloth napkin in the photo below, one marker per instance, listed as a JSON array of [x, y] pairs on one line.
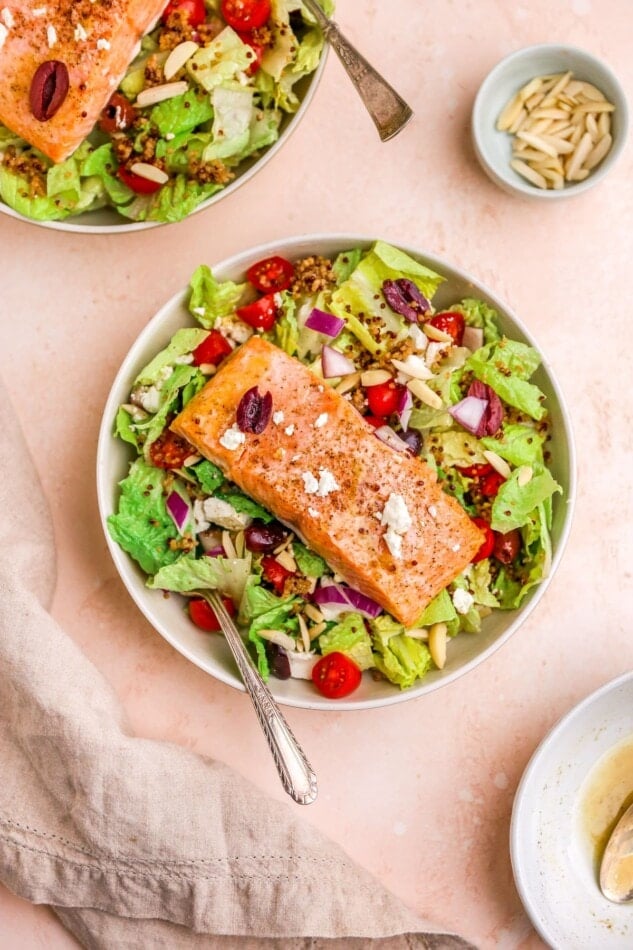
[[136, 843]]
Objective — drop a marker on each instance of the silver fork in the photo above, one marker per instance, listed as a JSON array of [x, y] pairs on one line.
[[295, 772], [388, 110]]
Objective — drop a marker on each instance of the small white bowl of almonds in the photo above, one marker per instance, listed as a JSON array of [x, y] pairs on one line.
[[549, 122]]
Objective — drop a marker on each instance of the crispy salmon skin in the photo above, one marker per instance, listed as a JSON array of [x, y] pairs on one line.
[[376, 515], [94, 40]]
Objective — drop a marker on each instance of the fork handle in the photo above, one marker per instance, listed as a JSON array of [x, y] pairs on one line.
[[388, 110], [295, 772]]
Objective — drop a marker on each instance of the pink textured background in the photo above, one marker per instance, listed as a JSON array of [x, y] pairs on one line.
[[419, 793]]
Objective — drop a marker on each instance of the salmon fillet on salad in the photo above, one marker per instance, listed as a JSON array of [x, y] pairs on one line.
[[377, 516], [61, 61]]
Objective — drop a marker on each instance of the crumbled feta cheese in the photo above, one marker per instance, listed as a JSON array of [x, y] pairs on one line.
[[462, 600], [103, 44], [51, 36], [169, 136], [278, 417], [289, 430], [420, 339], [184, 359], [436, 351], [148, 397], [199, 311], [432, 510], [310, 483], [313, 512], [327, 483], [321, 420], [217, 511], [3, 34], [393, 540], [80, 33], [396, 518], [301, 664], [232, 329], [232, 438], [7, 17], [163, 376]]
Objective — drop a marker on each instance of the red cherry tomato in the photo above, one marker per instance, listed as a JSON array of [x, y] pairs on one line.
[[261, 314], [451, 323], [487, 547], [169, 450], [119, 114], [259, 50], [194, 9], [507, 545], [142, 186], [275, 573], [490, 484], [374, 421], [335, 675], [213, 349], [476, 471], [203, 615], [271, 275], [245, 15], [383, 398]]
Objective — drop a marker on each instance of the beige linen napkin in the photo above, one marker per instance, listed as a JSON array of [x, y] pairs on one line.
[[137, 843]]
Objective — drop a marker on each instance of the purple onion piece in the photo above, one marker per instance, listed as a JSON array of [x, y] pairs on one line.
[[178, 510], [326, 323], [493, 415], [469, 412], [254, 411], [387, 435], [403, 296], [339, 598]]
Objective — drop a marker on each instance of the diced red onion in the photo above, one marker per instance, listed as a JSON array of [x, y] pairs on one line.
[[325, 323], [217, 551], [473, 338], [404, 407], [469, 412], [334, 363], [493, 416], [391, 438], [178, 509], [336, 599]]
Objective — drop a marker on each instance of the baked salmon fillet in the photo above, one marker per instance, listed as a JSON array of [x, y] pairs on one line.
[[376, 515], [94, 42]]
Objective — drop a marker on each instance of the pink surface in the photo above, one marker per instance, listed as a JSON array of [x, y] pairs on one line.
[[420, 793]]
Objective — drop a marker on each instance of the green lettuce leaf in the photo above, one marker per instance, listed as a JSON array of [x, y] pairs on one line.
[[195, 384], [102, 164], [455, 447], [514, 503], [142, 526], [173, 202], [183, 342], [309, 563], [124, 427], [259, 601], [345, 264], [506, 366], [401, 659], [169, 403], [440, 610], [479, 314], [245, 505], [286, 331], [480, 584], [518, 444], [220, 62], [278, 617], [209, 476], [233, 113], [228, 575], [351, 638], [15, 191], [181, 113], [210, 299]]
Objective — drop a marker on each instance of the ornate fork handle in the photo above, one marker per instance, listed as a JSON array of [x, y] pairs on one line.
[[388, 110], [295, 772]]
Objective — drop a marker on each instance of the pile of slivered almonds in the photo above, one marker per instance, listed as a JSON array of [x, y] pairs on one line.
[[561, 128]]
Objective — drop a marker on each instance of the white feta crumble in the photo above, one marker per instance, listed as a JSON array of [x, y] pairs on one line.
[[289, 430], [310, 483], [103, 44], [393, 542], [219, 512], [232, 438], [148, 398], [397, 520], [199, 311], [302, 664], [462, 600], [168, 137], [327, 483], [321, 420], [51, 36], [420, 339], [3, 34], [278, 417], [80, 34], [164, 375], [184, 359], [234, 330], [7, 17]]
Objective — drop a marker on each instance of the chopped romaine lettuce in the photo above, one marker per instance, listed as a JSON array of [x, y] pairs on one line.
[[228, 575], [125, 428], [245, 505], [308, 562], [518, 444], [350, 637], [515, 502], [209, 476], [181, 113], [211, 299], [479, 314], [183, 342], [221, 61], [506, 366], [440, 610], [401, 659]]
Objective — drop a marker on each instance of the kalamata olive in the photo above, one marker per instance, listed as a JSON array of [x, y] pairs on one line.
[[254, 411], [278, 659], [262, 538], [49, 88], [119, 114], [413, 440], [493, 414], [404, 297], [507, 546]]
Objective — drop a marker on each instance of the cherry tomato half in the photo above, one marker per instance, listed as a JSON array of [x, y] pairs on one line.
[[374, 421], [194, 10], [451, 323], [335, 675], [261, 314], [476, 471], [169, 450], [490, 484], [245, 15], [119, 114], [383, 398], [213, 349], [271, 275], [487, 547], [507, 545], [203, 615], [142, 186], [258, 50], [275, 573]]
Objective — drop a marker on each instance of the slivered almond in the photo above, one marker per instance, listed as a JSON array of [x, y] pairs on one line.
[[149, 172], [303, 630], [510, 114], [524, 475], [580, 175], [537, 142], [580, 154], [530, 88], [560, 85], [437, 644], [539, 127], [596, 155], [603, 106], [424, 393], [604, 123], [551, 113], [500, 465], [286, 560], [374, 377], [534, 101], [348, 383], [317, 631], [532, 155], [413, 366], [149, 97], [523, 169], [434, 333], [557, 178], [279, 637], [592, 127], [590, 91], [191, 460], [227, 544], [313, 613], [178, 57], [208, 369], [418, 633], [559, 145], [519, 122]]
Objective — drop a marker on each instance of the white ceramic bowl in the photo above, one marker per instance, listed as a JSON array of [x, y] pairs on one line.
[[211, 653], [109, 221], [552, 855], [494, 149]]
